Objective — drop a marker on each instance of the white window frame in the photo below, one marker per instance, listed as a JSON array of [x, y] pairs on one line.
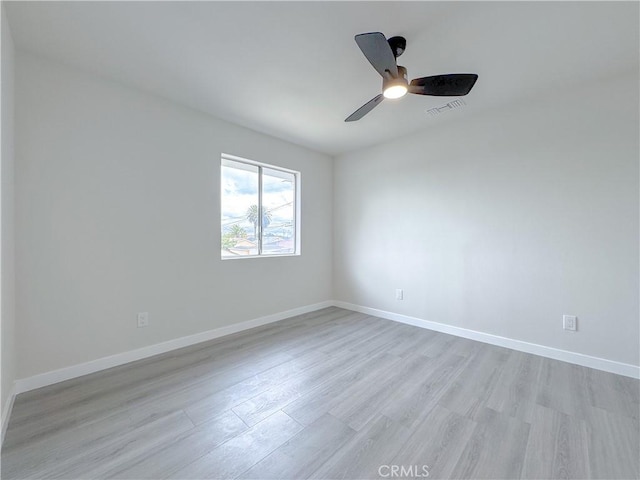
[[296, 207]]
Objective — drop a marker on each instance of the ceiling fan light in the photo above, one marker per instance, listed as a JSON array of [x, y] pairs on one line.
[[395, 91]]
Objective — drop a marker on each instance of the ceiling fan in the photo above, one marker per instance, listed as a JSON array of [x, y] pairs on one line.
[[382, 54]]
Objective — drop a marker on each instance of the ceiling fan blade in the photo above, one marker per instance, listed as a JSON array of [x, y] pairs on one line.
[[366, 108], [451, 85], [377, 50]]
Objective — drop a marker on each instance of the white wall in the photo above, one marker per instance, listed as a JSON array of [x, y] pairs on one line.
[[117, 211], [502, 223], [7, 279]]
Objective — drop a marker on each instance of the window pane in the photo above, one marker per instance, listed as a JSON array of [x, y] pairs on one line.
[[278, 196], [239, 186]]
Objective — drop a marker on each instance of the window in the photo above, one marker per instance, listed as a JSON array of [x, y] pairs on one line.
[[259, 209]]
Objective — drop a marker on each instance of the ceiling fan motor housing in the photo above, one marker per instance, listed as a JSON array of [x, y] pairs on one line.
[[389, 81], [397, 44]]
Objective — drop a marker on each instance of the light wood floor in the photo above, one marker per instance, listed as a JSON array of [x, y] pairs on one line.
[[331, 394]]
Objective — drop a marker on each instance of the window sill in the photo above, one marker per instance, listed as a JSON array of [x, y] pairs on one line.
[[246, 257]]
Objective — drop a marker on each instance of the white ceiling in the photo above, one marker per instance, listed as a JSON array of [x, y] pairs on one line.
[[292, 69]]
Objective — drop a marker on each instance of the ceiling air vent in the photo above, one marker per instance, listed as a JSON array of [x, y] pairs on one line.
[[446, 107]]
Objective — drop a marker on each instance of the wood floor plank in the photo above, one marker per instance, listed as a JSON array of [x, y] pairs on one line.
[[614, 444], [166, 370], [436, 346], [181, 451], [264, 404], [516, 388], [437, 443], [564, 387], [367, 450], [496, 448], [95, 463], [203, 407], [613, 393], [304, 453], [353, 379], [418, 398], [205, 400], [70, 416], [384, 340], [310, 337], [470, 391], [557, 446], [414, 339], [357, 410], [46, 453], [243, 451], [352, 340]]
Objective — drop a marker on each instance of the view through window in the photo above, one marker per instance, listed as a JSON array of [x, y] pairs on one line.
[[258, 209]]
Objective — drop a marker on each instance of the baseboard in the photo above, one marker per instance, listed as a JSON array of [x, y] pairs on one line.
[[625, 369], [6, 412], [67, 373], [74, 371]]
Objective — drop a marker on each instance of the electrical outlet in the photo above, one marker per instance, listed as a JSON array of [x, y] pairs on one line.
[[570, 322], [143, 319], [399, 294]]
